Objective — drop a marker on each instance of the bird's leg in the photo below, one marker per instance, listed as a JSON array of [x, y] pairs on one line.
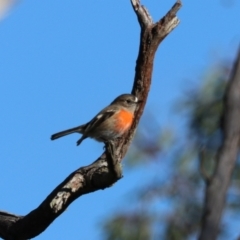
[[117, 168]]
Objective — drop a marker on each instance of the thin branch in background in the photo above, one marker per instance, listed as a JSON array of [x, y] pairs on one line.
[[216, 189]]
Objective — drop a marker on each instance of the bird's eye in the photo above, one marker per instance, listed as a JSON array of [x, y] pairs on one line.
[[128, 101]]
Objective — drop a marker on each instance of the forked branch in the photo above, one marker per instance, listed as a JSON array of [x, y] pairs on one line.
[[107, 168]]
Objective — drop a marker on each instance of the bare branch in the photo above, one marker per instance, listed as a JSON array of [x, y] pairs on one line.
[[144, 18], [96, 176], [216, 189], [107, 168], [170, 21]]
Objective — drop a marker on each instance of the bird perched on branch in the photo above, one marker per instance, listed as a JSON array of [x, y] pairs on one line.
[[110, 123]]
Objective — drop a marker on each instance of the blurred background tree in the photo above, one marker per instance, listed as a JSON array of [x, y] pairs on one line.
[[169, 204]]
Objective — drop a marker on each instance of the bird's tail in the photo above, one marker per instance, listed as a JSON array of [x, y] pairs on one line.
[[78, 129]]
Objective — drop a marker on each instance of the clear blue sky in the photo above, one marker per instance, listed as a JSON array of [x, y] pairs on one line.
[[60, 63]]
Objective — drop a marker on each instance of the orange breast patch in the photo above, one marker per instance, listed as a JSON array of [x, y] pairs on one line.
[[124, 121]]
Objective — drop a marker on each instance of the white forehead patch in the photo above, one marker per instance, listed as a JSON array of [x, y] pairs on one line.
[[136, 99]]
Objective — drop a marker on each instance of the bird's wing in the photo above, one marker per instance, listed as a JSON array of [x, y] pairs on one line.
[[99, 118]]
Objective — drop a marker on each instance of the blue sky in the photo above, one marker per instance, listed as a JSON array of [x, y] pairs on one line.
[[60, 63]]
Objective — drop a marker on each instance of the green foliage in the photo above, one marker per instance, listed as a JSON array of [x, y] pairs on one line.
[[205, 107], [171, 204], [129, 226]]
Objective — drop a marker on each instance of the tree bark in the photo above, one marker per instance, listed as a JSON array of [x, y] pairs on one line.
[[107, 168], [218, 184]]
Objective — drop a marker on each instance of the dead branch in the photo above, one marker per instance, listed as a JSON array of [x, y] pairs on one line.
[[106, 169]]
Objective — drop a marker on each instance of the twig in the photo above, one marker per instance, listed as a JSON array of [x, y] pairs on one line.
[[144, 18]]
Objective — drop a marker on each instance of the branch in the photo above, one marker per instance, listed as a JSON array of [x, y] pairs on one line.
[[144, 18], [107, 168], [216, 188]]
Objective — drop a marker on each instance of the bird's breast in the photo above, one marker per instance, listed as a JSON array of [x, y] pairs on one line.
[[124, 120]]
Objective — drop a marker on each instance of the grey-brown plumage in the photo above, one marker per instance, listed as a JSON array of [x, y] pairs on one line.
[[109, 123]]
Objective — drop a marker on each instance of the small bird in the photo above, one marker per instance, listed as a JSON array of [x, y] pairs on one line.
[[110, 123]]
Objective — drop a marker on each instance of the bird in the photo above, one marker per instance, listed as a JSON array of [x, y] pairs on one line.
[[110, 123]]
